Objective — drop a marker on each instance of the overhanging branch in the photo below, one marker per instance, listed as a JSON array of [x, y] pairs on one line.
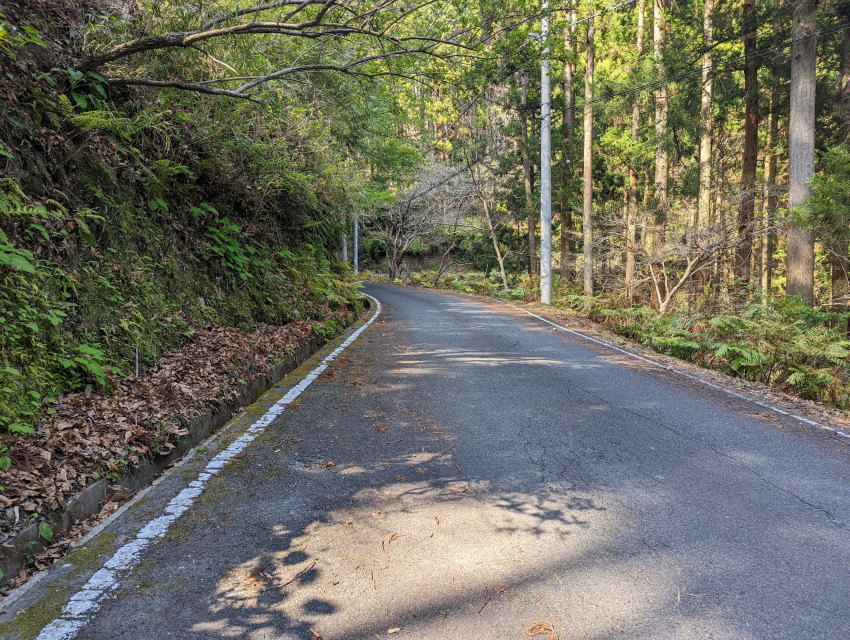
[[183, 86]]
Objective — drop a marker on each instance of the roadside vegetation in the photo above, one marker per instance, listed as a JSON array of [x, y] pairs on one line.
[[136, 225]]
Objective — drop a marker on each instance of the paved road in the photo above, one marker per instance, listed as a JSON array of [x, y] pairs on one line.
[[491, 474]]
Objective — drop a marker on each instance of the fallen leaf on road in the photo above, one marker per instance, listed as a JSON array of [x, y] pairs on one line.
[[381, 427], [394, 630], [542, 629], [395, 537], [330, 464], [293, 405], [258, 575], [315, 634]]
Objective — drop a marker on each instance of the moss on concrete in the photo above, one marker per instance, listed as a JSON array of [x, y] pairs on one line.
[[29, 623], [91, 555]]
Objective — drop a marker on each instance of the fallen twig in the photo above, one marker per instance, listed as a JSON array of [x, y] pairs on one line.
[[299, 574]]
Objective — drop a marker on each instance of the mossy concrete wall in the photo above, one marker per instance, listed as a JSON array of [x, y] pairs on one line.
[[28, 543]]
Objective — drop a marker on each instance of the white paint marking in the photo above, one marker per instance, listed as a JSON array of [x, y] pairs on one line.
[[838, 432], [86, 601]]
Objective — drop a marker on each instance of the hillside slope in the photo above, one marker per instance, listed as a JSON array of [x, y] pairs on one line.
[[133, 223]]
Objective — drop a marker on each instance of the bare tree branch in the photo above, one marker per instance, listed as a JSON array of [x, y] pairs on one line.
[[298, 4], [346, 68], [189, 38], [216, 60], [184, 86]]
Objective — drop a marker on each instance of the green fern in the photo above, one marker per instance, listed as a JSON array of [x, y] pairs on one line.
[[14, 202], [82, 219], [65, 106]]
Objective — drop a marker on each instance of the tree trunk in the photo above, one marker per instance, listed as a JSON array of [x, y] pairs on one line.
[[801, 157], [530, 212], [704, 198], [840, 261], [845, 77], [492, 229], [568, 135], [661, 156], [631, 211], [588, 160], [751, 138], [770, 197]]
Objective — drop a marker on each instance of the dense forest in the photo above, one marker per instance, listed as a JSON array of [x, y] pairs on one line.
[[168, 167]]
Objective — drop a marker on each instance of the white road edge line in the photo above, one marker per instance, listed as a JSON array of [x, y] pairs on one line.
[[838, 432], [86, 601]]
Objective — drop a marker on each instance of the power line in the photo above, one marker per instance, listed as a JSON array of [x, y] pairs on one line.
[[718, 65], [596, 15], [504, 66], [690, 72]]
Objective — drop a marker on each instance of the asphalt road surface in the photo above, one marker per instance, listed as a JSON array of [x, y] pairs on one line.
[[469, 472]]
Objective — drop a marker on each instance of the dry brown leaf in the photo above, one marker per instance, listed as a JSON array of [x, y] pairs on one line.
[[542, 629]]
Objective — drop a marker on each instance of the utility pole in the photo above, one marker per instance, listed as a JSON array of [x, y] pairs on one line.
[[545, 164], [587, 177]]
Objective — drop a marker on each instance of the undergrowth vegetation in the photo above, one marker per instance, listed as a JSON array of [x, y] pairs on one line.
[[128, 219]]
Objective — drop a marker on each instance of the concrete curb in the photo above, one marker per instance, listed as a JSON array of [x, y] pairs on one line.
[[88, 502]]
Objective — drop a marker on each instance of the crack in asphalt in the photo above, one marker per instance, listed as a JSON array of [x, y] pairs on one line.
[[724, 454]]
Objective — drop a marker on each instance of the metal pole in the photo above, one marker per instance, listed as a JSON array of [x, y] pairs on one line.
[[545, 165], [356, 244]]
